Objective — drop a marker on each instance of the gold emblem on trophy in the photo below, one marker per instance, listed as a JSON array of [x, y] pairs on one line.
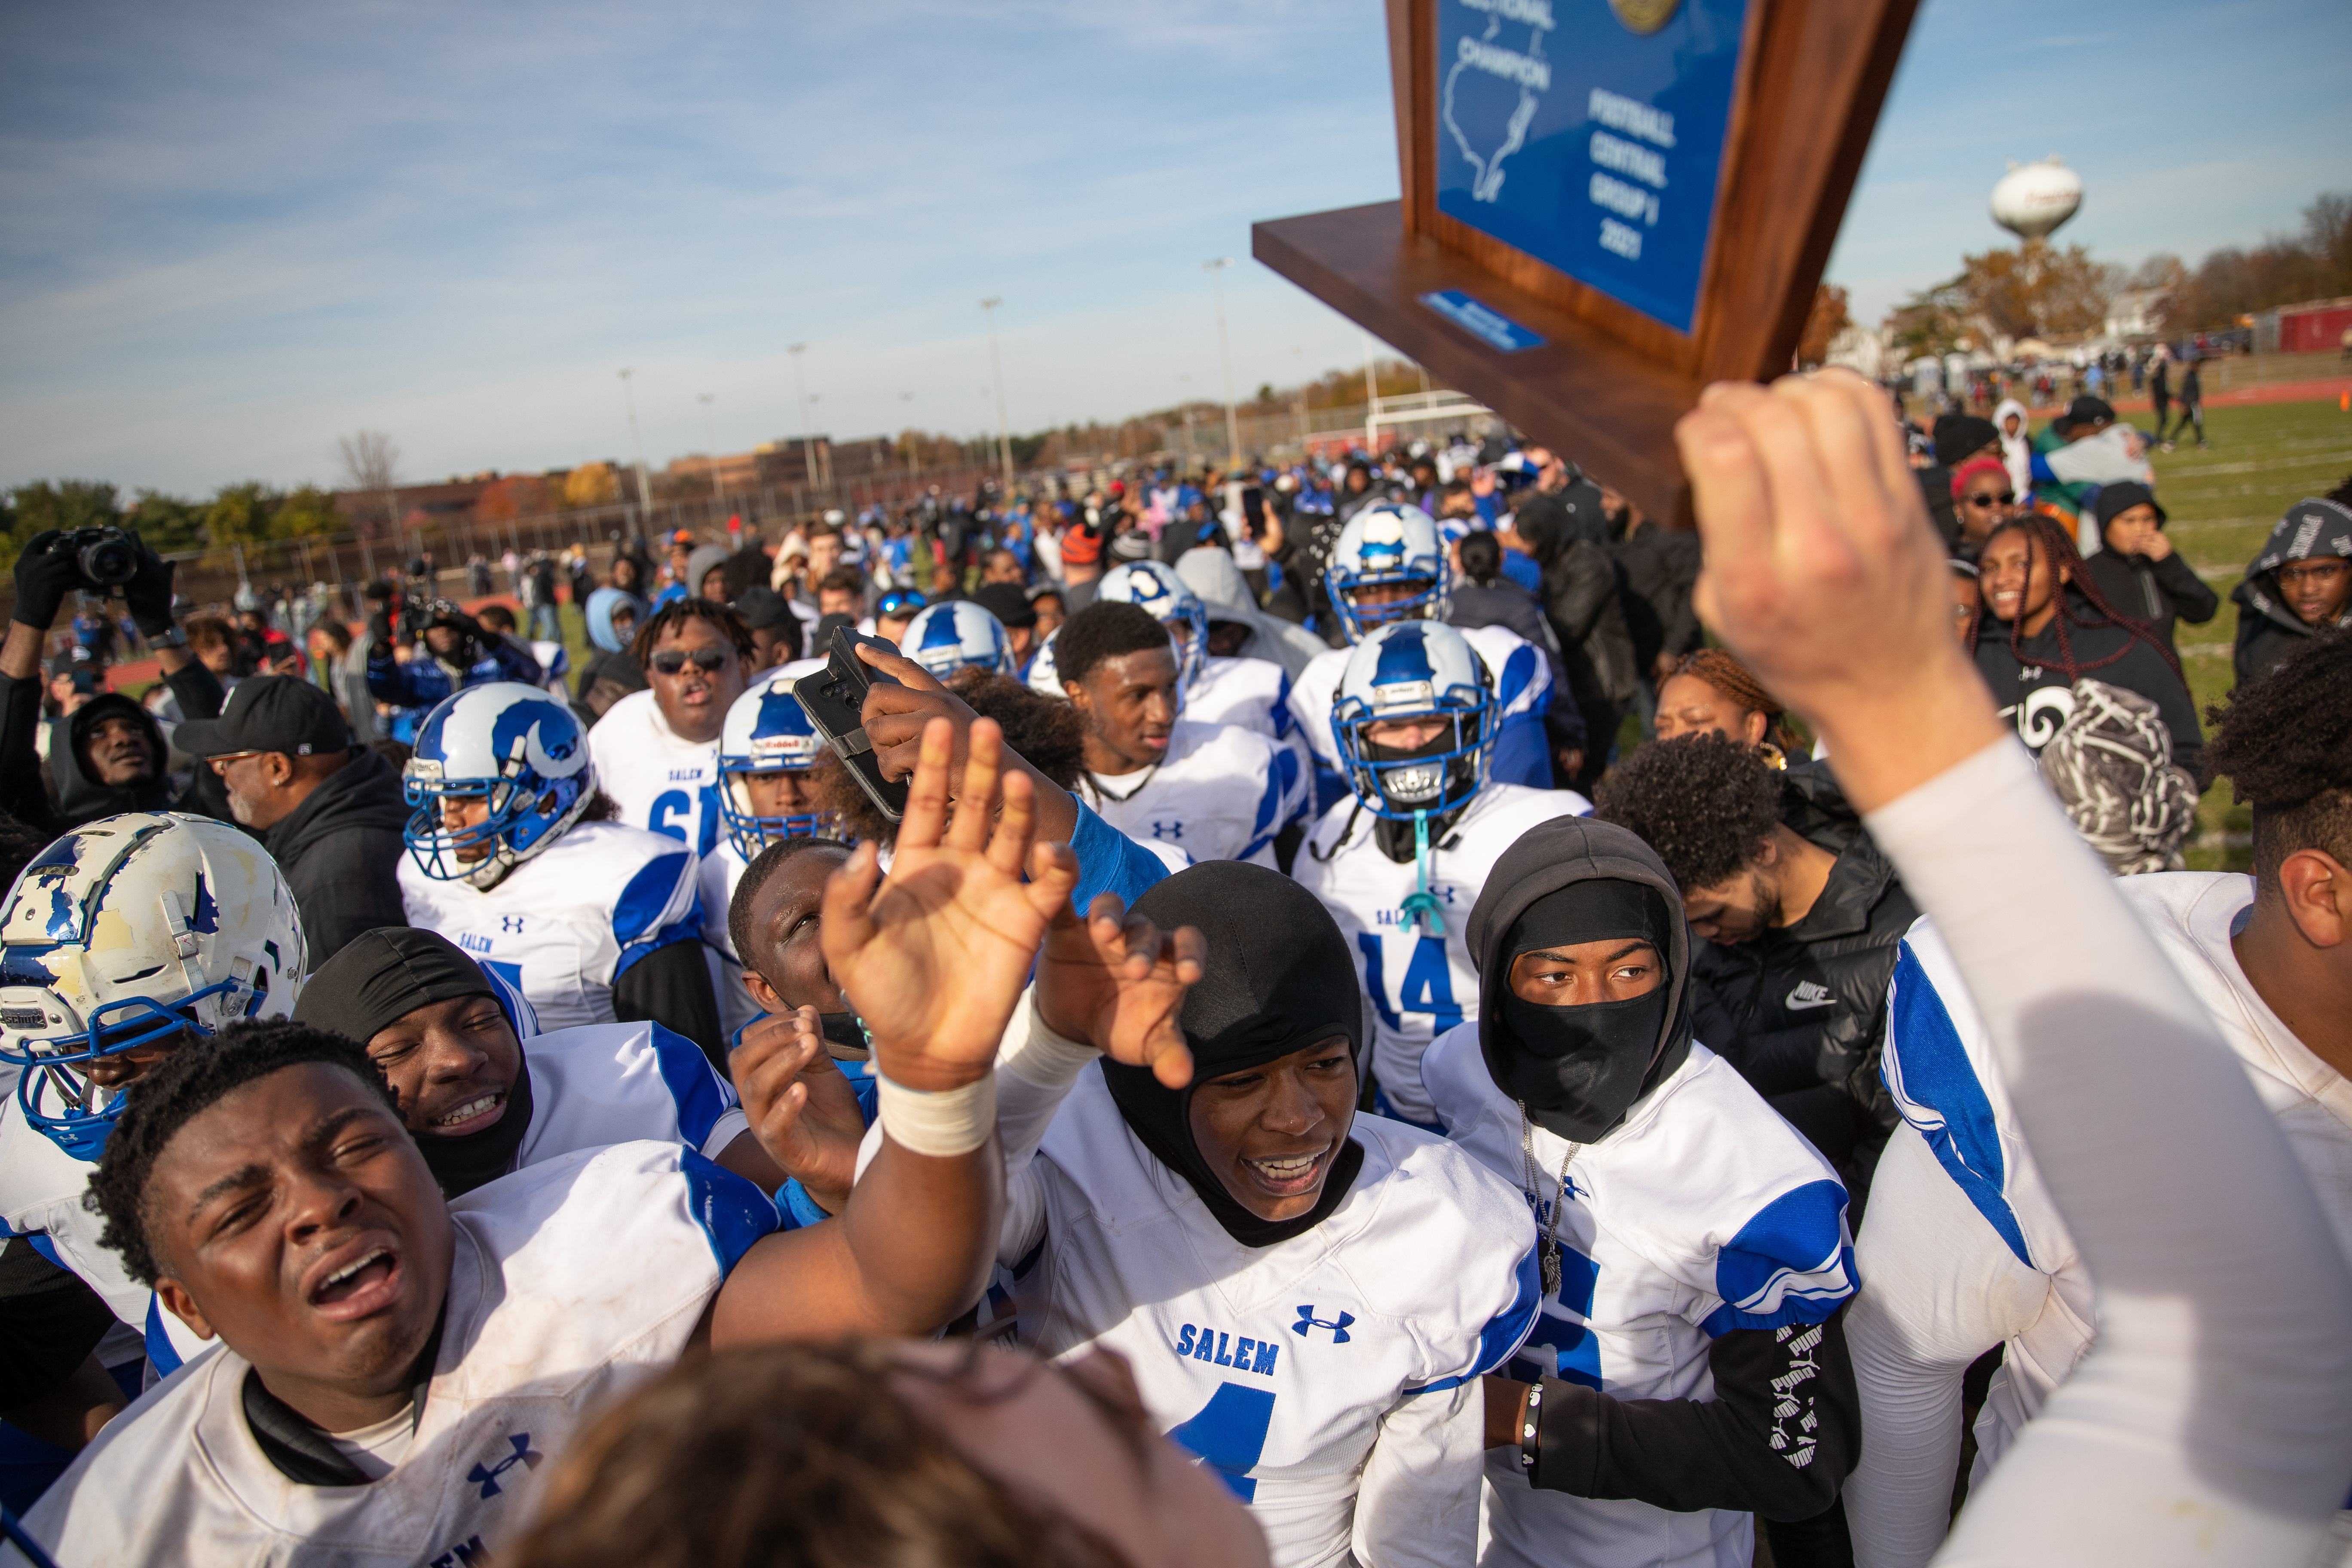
[[1644, 15]]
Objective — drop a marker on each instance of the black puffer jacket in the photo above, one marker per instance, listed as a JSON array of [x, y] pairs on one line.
[[1582, 590], [1802, 1010], [340, 850]]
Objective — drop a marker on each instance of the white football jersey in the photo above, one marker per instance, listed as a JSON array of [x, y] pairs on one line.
[[537, 1343], [1421, 984], [1332, 1379], [1702, 1212], [565, 924], [656, 780], [1521, 673], [1942, 1071], [1222, 793], [720, 870]]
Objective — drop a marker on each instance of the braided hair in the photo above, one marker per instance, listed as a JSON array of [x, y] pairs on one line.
[[1721, 668], [2057, 548]]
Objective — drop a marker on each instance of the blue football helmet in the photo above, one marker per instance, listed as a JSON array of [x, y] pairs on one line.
[[957, 634], [1415, 669], [766, 732], [1170, 601], [514, 745], [123, 934], [1388, 542]]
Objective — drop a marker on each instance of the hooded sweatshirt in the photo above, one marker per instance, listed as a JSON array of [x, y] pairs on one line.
[[78, 798], [2267, 629], [2016, 451], [1690, 1357], [1225, 594], [340, 850]]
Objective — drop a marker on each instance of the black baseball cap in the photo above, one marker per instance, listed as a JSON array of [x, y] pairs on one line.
[[269, 713], [2086, 409], [762, 608], [1958, 435], [1008, 602]]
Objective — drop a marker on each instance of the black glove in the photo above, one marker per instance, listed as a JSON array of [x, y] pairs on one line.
[[44, 578], [149, 592]]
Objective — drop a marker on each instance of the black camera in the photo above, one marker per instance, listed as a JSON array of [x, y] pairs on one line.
[[108, 557]]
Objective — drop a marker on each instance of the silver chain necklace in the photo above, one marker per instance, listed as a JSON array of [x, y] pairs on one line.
[[1549, 1250]]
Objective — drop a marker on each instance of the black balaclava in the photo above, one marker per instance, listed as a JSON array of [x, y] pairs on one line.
[[1578, 1070], [1279, 979], [379, 978]]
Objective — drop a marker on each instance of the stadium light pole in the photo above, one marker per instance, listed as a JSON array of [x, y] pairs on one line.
[[637, 451], [1216, 271], [711, 431], [996, 374], [808, 446]]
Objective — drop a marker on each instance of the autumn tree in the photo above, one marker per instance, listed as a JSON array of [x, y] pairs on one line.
[[2282, 270], [591, 484], [1828, 318]]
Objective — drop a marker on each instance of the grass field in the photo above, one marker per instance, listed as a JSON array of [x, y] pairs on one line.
[[2222, 503]]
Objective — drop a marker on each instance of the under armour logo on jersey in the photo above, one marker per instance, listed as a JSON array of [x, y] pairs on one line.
[[1307, 1323], [1168, 830], [462, 1555], [486, 1478], [511, 923], [1808, 994]]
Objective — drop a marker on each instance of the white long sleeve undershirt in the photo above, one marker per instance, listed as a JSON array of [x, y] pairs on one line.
[[2212, 1424]]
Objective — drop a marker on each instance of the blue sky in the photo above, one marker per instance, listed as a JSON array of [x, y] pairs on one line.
[[238, 230]]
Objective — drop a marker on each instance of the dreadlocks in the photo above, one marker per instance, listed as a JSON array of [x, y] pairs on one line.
[[2057, 549]]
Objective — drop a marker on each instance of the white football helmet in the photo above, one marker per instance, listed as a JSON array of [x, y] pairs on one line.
[[1389, 543], [957, 634], [1043, 676], [124, 932], [1170, 600]]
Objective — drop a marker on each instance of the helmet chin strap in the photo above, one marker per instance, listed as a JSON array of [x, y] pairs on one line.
[[1419, 906]]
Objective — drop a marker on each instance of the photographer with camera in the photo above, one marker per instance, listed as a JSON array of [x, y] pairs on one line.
[[453, 651], [116, 758]]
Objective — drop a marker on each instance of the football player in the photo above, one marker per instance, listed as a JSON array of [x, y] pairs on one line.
[[1390, 565], [593, 920], [656, 751], [957, 634], [1307, 1297], [122, 941], [1254, 693], [1400, 862], [767, 794], [1688, 1369], [396, 1368], [1215, 791], [484, 1092]]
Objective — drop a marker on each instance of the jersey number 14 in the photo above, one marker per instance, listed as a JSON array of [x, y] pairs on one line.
[[1427, 986]]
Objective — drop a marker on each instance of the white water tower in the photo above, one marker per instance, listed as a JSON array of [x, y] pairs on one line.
[[2033, 199]]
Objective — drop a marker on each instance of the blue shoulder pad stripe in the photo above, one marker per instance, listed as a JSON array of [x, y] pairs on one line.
[[1928, 1070], [732, 1213], [694, 1088], [1503, 1333], [1789, 1264]]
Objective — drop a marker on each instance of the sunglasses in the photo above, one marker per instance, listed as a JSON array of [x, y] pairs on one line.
[[2006, 498], [671, 660]]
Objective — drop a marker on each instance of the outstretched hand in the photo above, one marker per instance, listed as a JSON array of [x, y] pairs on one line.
[[801, 1107], [935, 958], [1822, 573], [896, 717], [1116, 982]]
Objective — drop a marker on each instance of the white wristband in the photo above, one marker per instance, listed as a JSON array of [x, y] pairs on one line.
[[941, 1124], [1039, 1055]]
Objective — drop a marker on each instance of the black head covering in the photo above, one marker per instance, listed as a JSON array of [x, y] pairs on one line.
[[1279, 979], [379, 977], [1578, 1070]]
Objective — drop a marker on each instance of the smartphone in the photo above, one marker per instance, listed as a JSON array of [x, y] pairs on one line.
[[834, 700]]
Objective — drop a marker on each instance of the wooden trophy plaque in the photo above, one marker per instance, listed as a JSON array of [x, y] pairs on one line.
[[1608, 203]]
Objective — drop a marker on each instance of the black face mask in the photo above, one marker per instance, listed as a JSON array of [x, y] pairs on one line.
[[460, 1165], [1576, 1068]]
